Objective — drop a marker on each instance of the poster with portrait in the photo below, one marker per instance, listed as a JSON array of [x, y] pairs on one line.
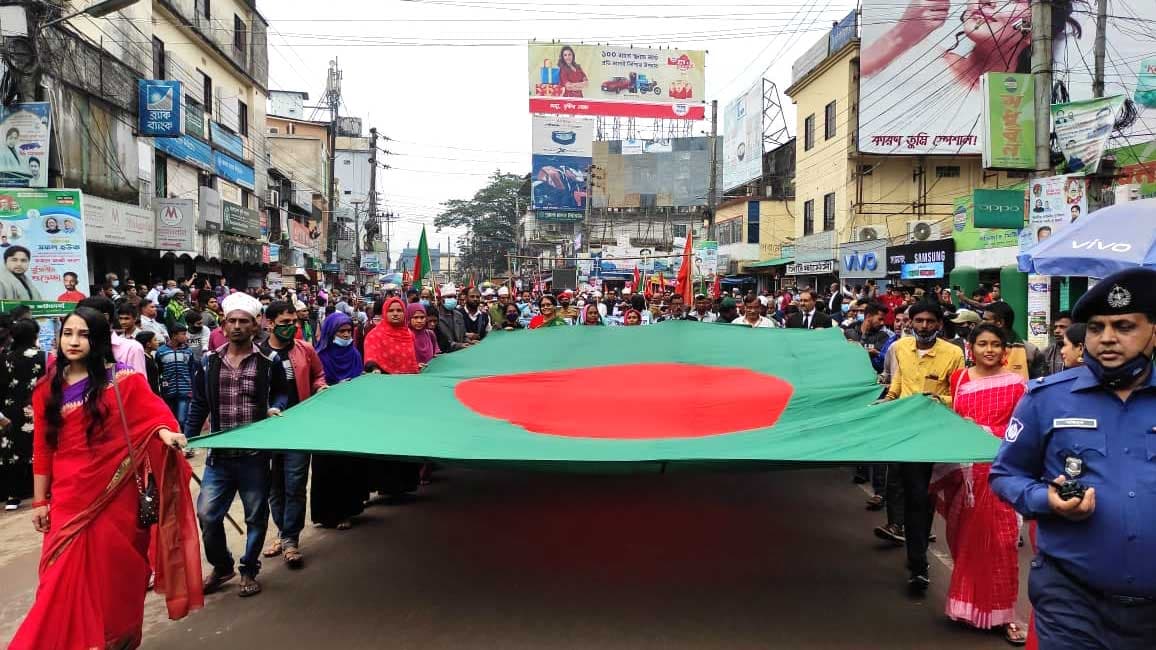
[[922, 62], [24, 156], [1053, 204], [45, 259]]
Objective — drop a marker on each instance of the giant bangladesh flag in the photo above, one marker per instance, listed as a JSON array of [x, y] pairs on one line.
[[628, 398]]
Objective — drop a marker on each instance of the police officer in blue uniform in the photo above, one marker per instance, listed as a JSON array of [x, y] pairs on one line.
[[1079, 456]]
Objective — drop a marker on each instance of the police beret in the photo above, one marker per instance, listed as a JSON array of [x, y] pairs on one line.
[[1127, 292]]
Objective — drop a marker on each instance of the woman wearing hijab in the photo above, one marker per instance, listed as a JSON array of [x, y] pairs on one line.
[[340, 481], [391, 349], [591, 315], [512, 321], [425, 342], [632, 318]]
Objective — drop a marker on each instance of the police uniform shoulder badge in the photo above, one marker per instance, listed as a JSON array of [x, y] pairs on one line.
[[1119, 297], [1014, 429]]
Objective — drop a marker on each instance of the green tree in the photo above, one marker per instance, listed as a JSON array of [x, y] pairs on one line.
[[491, 219]]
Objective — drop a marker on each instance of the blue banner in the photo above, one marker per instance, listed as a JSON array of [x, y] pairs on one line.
[[159, 109], [187, 149], [226, 141], [920, 271], [233, 170]]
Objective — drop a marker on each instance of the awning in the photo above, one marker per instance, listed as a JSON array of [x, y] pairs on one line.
[[769, 263]]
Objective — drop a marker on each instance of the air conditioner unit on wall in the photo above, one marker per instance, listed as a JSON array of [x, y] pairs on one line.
[[922, 230], [868, 233], [273, 197]]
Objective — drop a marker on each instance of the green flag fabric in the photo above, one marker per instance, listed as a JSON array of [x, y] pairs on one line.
[[421, 263], [628, 398]]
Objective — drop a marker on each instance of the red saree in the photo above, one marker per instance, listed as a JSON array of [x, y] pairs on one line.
[[982, 530], [94, 567]]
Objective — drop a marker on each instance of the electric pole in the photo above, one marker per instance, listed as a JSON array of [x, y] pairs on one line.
[[373, 194], [712, 196], [1042, 72], [1101, 37], [333, 101]]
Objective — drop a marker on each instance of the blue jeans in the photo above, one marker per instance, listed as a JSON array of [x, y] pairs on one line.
[[287, 496], [225, 477], [180, 408]]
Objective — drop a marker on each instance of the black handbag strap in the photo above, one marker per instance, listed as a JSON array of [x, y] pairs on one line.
[[124, 428]]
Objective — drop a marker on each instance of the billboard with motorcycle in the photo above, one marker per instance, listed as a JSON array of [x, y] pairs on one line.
[[577, 79]]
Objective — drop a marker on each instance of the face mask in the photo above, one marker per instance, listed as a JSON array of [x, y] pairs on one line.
[[925, 340], [964, 332], [285, 332], [1120, 377], [859, 318], [116, 283], [342, 343], [846, 308], [424, 303], [451, 303]]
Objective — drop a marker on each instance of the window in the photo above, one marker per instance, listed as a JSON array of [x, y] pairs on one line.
[[158, 58], [239, 33], [752, 222], [161, 174], [207, 93], [246, 198], [809, 217], [273, 130], [947, 171], [242, 119], [829, 211], [809, 133], [678, 230], [829, 121]]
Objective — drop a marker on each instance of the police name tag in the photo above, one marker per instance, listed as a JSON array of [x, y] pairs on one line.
[[1074, 423]]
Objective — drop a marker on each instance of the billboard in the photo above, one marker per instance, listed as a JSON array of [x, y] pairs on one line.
[[24, 156], [920, 91], [559, 182], [676, 174], [608, 80], [863, 259], [562, 135], [42, 236], [743, 137]]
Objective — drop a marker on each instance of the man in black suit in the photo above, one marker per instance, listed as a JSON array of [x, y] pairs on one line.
[[808, 317], [834, 303]]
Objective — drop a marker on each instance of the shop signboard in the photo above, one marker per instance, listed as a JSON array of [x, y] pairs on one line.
[[240, 250], [616, 81], [240, 221], [159, 108], [1146, 83], [187, 149], [969, 238], [816, 248], [302, 238], [122, 224], [743, 137], [176, 224], [863, 259], [194, 119], [24, 156], [210, 210], [233, 170], [48, 225], [998, 208], [1009, 121], [824, 267], [922, 260], [227, 141]]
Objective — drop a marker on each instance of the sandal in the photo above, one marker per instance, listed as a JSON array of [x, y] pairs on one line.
[[215, 581], [273, 550], [293, 558], [249, 587], [875, 502], [1015, 634]]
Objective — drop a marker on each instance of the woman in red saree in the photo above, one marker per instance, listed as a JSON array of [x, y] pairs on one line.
[[94, 567], [982, 530]]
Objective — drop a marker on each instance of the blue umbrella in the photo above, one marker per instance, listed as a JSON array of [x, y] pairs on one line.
[[1119, 237]]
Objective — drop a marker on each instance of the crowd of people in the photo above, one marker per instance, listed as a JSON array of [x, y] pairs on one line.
[[136, 372]]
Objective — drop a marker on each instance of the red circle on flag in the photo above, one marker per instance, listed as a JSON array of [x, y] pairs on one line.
[[631, 402]]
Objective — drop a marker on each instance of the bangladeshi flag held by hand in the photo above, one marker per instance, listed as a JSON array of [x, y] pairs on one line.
[[421, 263], [699, 394]]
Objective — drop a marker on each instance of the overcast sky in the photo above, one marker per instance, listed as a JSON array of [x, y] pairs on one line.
[[446, 79]]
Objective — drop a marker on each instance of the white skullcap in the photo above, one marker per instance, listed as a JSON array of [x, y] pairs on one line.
[[241, 302], [504, 291], [299, 306]]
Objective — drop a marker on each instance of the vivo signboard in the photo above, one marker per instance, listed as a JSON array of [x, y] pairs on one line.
[[863, 259]]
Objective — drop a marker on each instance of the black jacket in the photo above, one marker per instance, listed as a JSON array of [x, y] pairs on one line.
[[818, 321], [272, 391]]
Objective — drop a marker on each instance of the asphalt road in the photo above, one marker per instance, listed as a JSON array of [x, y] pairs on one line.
[[523, 560]]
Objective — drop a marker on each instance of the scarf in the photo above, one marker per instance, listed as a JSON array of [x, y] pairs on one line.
[[586, 315], [425, 343], [628, 313], [391, 346], [340, 363]]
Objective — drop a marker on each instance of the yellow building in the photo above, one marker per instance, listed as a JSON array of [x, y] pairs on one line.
[[749, 229]]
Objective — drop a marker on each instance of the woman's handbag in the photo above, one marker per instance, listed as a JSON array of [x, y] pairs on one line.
[[147, 509]]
